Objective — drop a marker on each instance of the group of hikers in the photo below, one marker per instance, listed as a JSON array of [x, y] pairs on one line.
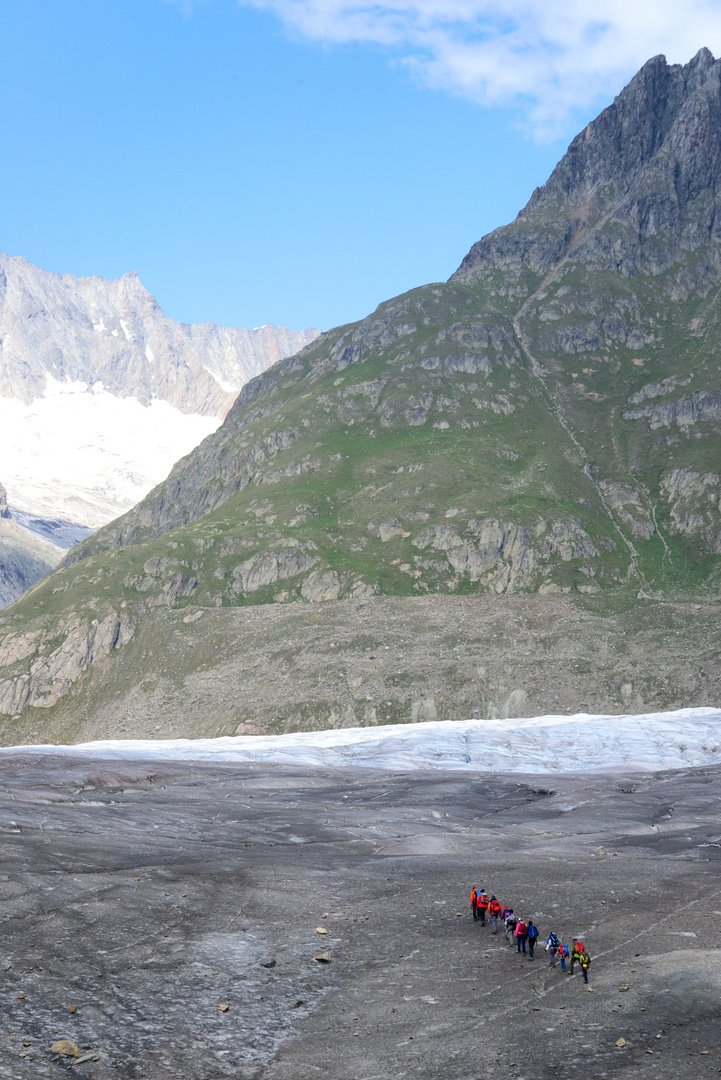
[[522, 933]]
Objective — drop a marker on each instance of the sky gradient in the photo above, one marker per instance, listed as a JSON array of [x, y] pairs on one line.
[[251, 171]]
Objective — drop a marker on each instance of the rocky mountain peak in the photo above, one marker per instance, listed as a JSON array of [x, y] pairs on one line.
[[644, 162], [627, 135]]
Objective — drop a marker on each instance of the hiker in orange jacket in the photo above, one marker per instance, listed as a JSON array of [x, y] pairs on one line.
[[482, 902], [494, 910], [474, 897]]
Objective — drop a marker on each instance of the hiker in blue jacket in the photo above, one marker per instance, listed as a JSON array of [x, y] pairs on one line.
[[552, 946]]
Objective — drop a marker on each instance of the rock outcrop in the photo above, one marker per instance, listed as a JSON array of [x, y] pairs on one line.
[[46, 677]]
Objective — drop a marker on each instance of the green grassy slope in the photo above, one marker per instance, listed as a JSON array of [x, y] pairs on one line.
[[549, 421]]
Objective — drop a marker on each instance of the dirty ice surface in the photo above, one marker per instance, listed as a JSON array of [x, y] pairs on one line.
[[580, 743]]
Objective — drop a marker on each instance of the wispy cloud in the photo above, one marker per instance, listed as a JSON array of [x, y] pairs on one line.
[[553, 58]]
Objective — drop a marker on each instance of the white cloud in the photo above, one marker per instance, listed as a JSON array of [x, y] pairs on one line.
[[552, 57]]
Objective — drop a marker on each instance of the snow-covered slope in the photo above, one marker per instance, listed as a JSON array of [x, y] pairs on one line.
[[86, 455], [101, 393], [581, 743]]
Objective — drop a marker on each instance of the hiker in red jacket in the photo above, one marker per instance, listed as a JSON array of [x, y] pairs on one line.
[[474, 897], [482, 902], [521, 935], [494, 910]]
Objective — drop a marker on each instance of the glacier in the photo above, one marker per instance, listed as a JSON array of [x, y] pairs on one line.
[[582, 743], [85, 455]]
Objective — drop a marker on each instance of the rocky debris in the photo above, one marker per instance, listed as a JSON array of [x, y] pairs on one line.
[[694, 501], [399, 855], [48, 678], [630, 507], [308, 666]]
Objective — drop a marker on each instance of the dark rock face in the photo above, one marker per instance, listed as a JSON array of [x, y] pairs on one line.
[[4, 512], [651, 160]]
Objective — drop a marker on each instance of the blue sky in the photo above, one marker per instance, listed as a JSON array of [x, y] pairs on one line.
[[279, 162]]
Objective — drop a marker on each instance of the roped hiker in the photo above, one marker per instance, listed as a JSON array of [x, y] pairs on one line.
[[563, 954], [482, 902], [585, 965], [532, 933], [521, 935], [474, 898], [494, 910], [511, 921], [577, 951], [552, 947]]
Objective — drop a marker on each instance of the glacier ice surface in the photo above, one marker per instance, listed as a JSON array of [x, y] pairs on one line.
[[582, 743]]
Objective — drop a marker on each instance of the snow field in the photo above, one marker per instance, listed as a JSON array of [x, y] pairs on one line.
[[84, 455], [581, 743]]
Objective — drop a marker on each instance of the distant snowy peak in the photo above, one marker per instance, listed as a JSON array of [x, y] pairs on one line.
[[114, 331], [101, 393]]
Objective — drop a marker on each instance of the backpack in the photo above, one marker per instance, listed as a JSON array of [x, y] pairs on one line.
[[564, 950], [521, 928], [585, 960], [579, 950], [553, 941], [532, 932]]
